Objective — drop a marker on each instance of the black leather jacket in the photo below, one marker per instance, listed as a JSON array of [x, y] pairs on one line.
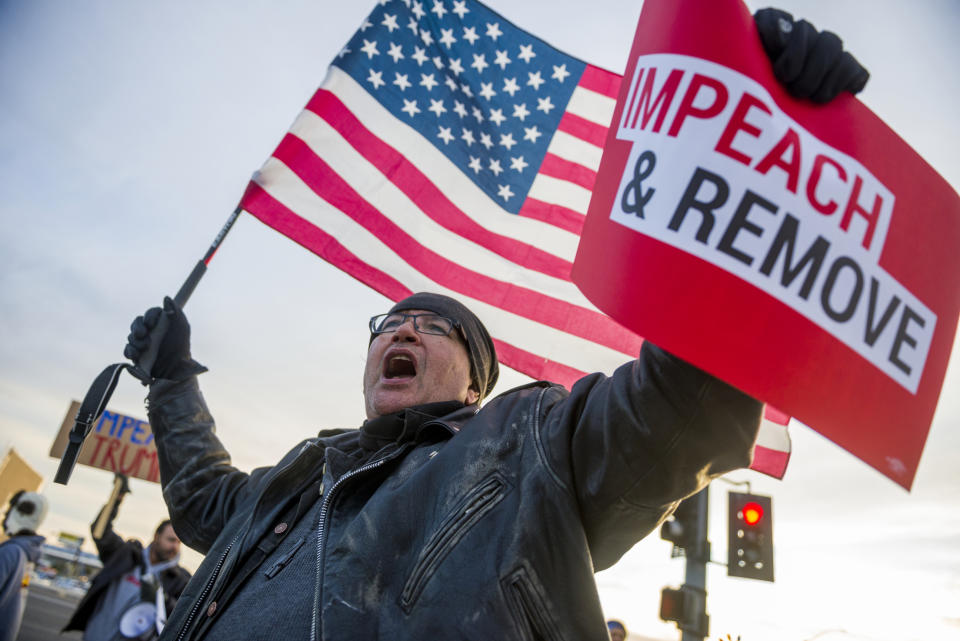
[[481, 524]]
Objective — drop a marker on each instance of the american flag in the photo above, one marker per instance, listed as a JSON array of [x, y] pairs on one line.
[[449, 151]]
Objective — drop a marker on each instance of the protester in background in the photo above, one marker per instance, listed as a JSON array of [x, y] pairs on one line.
[[132, 580], [17, 557], [618, 631]]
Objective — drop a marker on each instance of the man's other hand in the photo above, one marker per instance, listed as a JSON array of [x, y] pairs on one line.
[[809, 63]]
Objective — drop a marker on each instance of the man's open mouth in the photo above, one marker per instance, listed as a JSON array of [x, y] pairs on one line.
[[399, 366]]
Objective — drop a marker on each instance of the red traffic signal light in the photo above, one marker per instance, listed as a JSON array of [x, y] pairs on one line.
[[752, 513]]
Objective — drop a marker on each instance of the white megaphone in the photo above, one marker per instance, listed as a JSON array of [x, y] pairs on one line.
[[139, 622]]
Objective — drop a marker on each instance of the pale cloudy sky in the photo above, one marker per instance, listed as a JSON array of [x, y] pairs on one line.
[[128, 131]]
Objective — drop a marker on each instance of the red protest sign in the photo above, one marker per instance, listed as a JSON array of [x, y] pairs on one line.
[[803, 253]]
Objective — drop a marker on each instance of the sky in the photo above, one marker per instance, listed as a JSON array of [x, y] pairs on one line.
[[128, 131]]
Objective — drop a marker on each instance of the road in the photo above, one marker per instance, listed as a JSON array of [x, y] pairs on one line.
[[47, 611]]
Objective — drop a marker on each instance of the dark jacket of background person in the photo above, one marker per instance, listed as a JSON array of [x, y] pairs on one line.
[[481, 524], [15, 556], [120, 557]]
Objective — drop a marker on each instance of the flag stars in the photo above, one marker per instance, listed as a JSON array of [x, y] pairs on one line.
[[396, 52], [456, 66], [401, 81], [480, 62], [493, 31], [504, 192], [420, 55], [366, 25], [470, 35], [446, 37], [526, 53], [438, 62], [344, 52], [465, 88], [436, 106], [460, 8], [427, 80], [518, 163], [475, 164], [531, 134], [520, 111], [459, 108], [502, 59], [495, 167], [467, 137], [426, 36], [376, 79], [417, 9], [451, 83], [510, 86], [370, 48], [497, 117], [486, 141], [410, 107], [390, 22], [413, 26], [545, 105], [439, 9], [506, 140], [445, 135], [486, 90], [476, 113], [560, 72], [535, 80]]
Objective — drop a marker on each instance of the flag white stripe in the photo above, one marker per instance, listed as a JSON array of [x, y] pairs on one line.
[[287, 188], [773, 436], [576, 150], [592, 106], [560, 192]]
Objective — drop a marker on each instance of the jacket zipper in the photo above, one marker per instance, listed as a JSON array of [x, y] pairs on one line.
[[206, 589], [321, 531], [481, 500]]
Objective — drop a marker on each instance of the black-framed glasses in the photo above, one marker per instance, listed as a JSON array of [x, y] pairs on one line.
[[422, 323]]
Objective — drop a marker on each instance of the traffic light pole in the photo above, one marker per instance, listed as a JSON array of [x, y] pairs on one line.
[[695, 577]]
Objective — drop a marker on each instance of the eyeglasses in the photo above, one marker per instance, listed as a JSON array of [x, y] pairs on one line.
[[422, 323]]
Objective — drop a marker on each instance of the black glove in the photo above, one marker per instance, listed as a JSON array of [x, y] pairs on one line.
[[173, 357], [811, 64]]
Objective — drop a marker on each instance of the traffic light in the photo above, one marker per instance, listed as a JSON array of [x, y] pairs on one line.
[[686, 606], [750, 536], [681, 528]]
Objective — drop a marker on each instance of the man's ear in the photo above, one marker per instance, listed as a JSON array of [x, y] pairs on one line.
[[473, 395]]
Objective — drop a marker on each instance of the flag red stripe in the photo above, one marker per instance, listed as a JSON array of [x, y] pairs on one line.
[[556, 215], [773, 414], [583, 129], [563, 169], [430, 199], [770, 462], [601, 81], [546, 310], [535, 366], [274, 214]]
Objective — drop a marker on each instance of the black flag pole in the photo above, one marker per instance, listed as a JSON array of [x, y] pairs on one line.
[[102, 388]]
